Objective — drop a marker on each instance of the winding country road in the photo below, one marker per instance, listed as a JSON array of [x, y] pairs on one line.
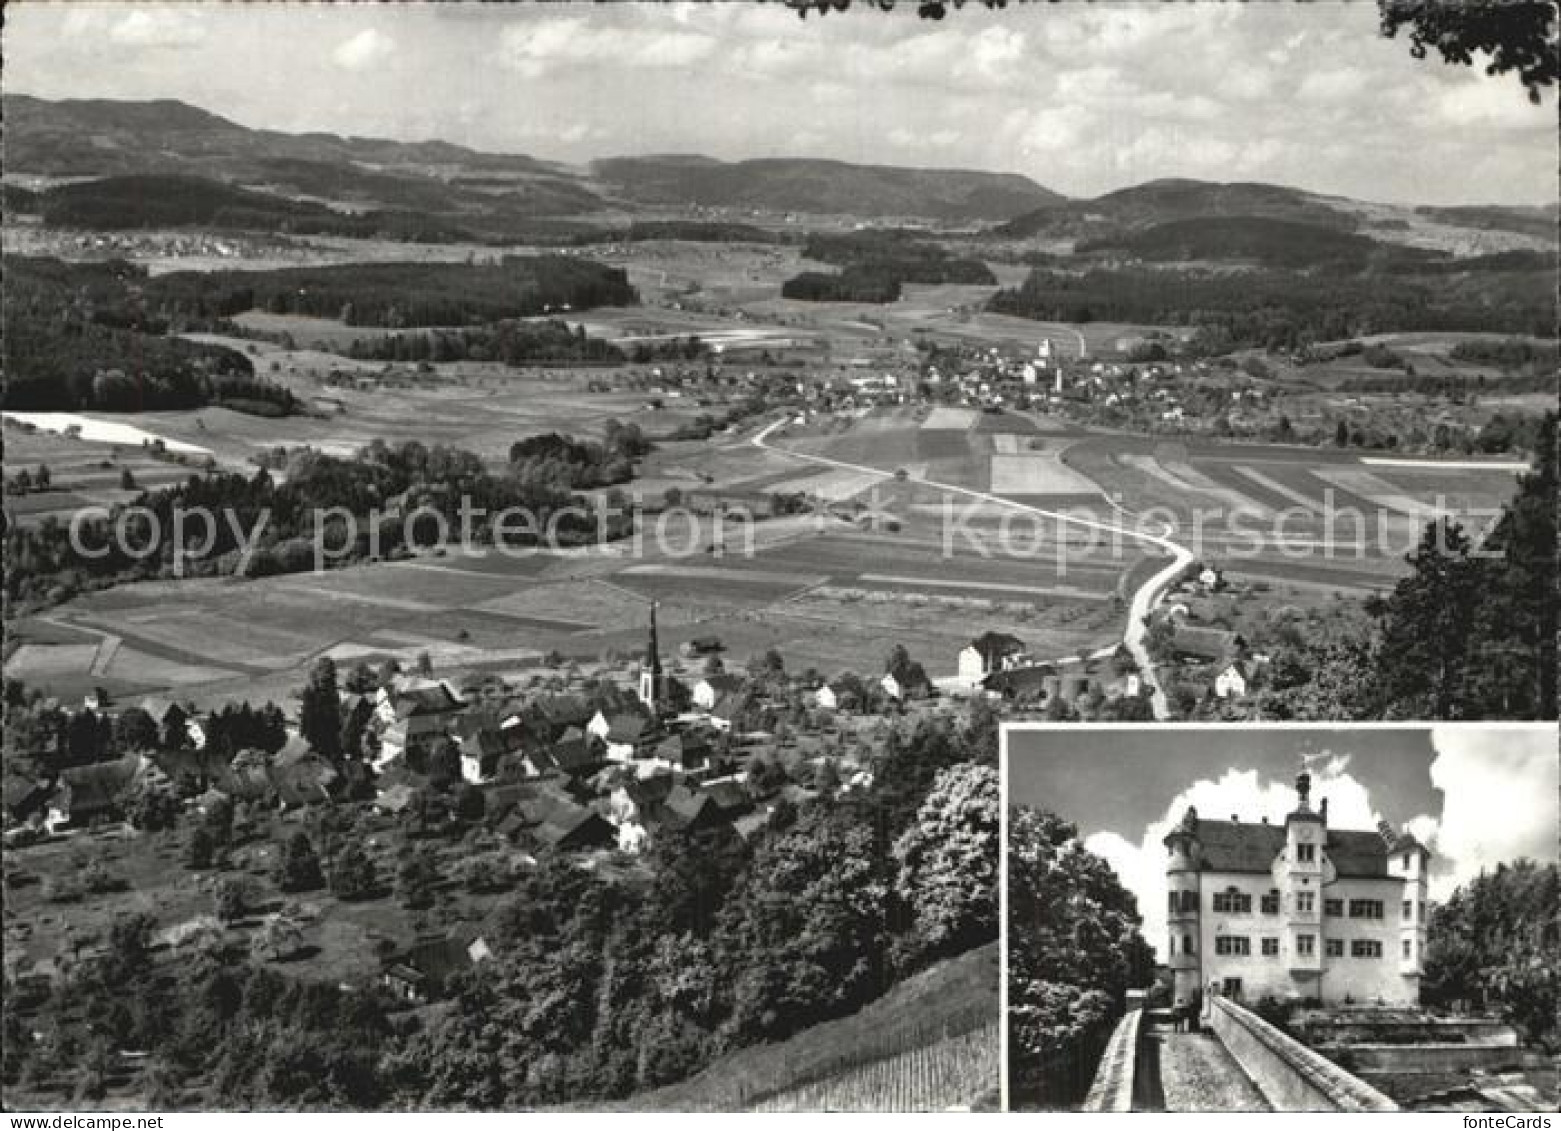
[[1143, 599]]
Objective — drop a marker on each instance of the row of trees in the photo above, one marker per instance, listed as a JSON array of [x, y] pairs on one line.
[[390, 482]]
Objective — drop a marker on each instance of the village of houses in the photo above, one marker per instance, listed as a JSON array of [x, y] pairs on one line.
[[593, 764]]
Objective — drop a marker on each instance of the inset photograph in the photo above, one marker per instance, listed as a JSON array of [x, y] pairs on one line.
[[1281, 917]]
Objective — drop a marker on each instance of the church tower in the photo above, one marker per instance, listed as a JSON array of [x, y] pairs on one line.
[[652, 680], [1183, 915]]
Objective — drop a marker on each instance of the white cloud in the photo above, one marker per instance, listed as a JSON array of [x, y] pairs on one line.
[[1493, 105], [1338, 84], [1499, 801], [144, 28], [536, 48], [366, 49]]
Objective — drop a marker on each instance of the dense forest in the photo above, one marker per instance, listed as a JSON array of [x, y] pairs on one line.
[[398, 295], [1277, 309], [1256, 239], [899, 253], [511, 342], [604, 983], [97, 335], [85, 336], [554, 458], [854, 284], [181, 201]]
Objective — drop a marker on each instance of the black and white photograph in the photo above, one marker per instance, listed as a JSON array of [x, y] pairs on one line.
[[525, 523], [1282, 918]]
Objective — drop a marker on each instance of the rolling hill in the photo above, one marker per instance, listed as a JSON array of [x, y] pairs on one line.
[[794, 184], [1162, 201], [1251, 239], [101, 138]]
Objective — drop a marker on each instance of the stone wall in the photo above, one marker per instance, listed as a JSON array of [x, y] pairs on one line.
[[1112, 1089], [1291, 1076]]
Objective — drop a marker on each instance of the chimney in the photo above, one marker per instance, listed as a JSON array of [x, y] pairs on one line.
[[1235, 819], [1322, 808]]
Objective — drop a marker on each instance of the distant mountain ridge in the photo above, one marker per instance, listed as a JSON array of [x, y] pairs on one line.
[[817, 185], [444, 187], [95, 137]]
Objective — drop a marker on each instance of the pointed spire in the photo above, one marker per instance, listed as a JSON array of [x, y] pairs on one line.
[[653, 656], [1303, 787]]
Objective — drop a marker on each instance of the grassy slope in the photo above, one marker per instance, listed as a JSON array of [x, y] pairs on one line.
[[949, 1011]]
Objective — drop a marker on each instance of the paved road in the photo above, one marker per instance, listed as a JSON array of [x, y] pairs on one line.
[[1143, 600], [1197, 1074]]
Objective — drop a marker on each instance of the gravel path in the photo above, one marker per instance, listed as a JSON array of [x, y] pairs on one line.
[[1199, 1075]]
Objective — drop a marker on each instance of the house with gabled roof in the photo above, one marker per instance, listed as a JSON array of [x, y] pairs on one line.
[[1209, 644], [423, 971], [990, 652], [711, 689]]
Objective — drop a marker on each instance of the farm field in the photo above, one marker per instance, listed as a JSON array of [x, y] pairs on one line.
[[496, 612]]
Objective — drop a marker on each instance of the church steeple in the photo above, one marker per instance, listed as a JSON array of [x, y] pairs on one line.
[[652, 682]]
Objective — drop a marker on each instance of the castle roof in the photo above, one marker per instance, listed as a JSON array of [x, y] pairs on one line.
[[1235, 846]]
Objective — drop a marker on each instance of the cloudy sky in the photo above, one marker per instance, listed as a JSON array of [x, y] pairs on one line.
[[1083, 98], [1474, 795]]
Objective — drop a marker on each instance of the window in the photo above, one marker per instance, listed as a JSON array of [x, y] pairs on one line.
[[1306, 853], [1365, 909], [1305, 945], [1304, 902], [1365, 948], [1271, 903], [1189, 901], [1406, 861], [1172, 951], [1333, 948], [1175, 902], [1408, 910], [1232, 946], [1409, 948], [1270, 948], [1187, 944], [1334, 907], [1233, 902]]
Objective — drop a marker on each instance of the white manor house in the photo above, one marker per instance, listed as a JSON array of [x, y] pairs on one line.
[[1295, 910]]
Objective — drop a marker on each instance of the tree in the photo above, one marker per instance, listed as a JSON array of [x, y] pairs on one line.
[[319, 716], [1514, 36], [135, 730], [1426, 626], [947, 861], [200, 848], [299, 867], [150, 806], [1496, 943], [353, 875], [1074, 951], [231, 898], [280, 936], [416, 879]]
